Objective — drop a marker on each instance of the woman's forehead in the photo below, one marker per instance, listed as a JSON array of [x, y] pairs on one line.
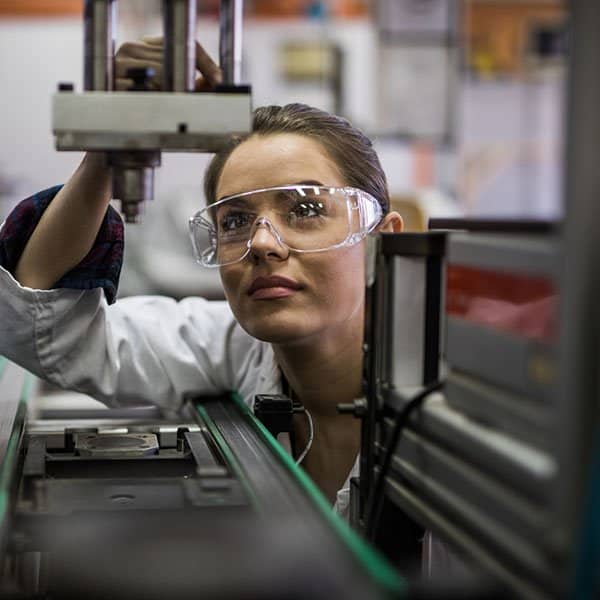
[[274, 160]]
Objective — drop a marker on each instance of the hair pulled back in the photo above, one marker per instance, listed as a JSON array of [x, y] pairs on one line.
[[349, 148]]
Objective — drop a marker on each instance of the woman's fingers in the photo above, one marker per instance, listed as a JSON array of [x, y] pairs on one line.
[[203, 85], [123, 65], [211, 73], [153, 40], [140, 50], [122, 80], [209, 69], [123, 85], [148, 52]]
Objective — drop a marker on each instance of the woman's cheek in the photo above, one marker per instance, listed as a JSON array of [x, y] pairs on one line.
[[231, 281], [344, 276]]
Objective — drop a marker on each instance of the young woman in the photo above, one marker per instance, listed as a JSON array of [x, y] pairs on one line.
[[289, 207]]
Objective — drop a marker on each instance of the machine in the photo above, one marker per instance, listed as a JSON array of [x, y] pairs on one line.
[[481, 462], [121, 503], [474, 465], [133, 127]]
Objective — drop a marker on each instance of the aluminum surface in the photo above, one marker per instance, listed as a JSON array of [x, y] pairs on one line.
[[99, 44], [179, 29], [408, 317], [230, 40], [149, 114]]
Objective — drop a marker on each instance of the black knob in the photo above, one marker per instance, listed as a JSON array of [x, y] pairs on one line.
[[142, 76], [357, 408]]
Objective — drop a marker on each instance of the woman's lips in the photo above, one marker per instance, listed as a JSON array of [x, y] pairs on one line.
[[275, 286], [272, 293]]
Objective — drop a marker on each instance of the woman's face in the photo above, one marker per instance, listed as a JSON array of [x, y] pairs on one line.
[[325, 290]]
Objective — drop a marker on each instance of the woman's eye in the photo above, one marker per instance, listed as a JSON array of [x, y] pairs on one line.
[[235, 222], [307, 209]]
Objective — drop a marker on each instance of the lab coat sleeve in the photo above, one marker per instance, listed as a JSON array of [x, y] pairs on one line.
[[140, 350]]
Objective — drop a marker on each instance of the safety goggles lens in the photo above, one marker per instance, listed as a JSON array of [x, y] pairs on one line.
[[304, 218]]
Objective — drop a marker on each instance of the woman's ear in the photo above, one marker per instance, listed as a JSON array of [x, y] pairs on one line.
[[391, 223]]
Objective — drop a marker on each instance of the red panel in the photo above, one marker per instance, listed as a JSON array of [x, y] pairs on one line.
[[519, 304], [44, 8]]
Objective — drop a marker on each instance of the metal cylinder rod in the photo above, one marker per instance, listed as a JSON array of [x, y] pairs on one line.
[[133, 180], [179, 29], [99, 44], [230, 40]]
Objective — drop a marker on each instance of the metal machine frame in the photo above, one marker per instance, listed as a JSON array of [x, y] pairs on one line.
[[504, 464], [215, 507], [135, 126], [472, 466]]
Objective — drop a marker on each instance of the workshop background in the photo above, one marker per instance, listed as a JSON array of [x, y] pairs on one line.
[[464, 101]]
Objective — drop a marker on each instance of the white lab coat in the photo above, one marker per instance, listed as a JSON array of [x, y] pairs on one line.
[[139, 350]]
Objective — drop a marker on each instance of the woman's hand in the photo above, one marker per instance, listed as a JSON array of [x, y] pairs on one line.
[[148, 52]]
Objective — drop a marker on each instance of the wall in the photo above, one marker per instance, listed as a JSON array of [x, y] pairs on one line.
[[35, 55], [510, 160]]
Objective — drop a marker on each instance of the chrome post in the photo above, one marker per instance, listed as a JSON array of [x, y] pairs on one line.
[[179, 28], [99, 44], [230, 40]]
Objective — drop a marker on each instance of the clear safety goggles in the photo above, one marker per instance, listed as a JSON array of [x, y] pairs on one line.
[[301, 218]]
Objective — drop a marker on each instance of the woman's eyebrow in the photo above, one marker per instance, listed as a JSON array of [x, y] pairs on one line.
[[242, 202], [309, 182]]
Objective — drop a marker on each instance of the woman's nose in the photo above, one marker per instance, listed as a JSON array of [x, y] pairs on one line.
[[266, 242]]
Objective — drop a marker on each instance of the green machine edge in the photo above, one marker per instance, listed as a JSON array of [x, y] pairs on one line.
[[373, 562], [8, 465]]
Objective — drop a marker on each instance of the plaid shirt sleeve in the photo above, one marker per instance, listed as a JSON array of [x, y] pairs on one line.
[[101, 267]]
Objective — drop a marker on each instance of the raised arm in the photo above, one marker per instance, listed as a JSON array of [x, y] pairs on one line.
[[68, 227]]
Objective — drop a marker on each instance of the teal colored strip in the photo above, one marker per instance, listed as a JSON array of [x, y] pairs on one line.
[[587, 571], [229, 456], [375, 564], [3, 506], [27, 386], [7, 467]]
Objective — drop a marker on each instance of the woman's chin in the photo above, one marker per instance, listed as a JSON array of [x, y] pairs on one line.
[[278, 331]]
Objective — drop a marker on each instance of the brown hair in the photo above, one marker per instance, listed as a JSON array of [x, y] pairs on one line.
[[350, 149]]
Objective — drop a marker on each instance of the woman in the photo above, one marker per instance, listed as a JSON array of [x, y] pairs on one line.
[[293, 281]]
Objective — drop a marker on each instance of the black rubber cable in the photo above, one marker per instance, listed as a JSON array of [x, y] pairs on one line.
[[375, 501]]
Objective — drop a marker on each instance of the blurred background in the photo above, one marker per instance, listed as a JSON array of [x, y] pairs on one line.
[[464, 100]]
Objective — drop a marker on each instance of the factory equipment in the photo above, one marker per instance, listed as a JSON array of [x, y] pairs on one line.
[[469, 431], [133, 127], [476, 465], [401, 344], [493, 460], [127, 502]]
